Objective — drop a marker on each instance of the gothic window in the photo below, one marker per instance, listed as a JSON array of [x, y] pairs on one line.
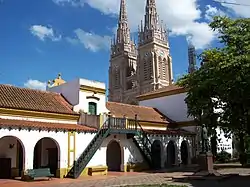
[[145, 69], [164, 69], [150, 69], [117, 76]]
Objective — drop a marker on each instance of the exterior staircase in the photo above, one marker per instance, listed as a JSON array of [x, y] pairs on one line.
[[113, 126], [143, 143], [89, 152]]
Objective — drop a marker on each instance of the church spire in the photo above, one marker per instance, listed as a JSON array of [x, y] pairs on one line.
[[151, 17], [123, 32], [153, 28]]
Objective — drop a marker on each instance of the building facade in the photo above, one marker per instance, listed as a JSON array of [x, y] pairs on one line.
[[62, 131], [171, 102], [143, 67]]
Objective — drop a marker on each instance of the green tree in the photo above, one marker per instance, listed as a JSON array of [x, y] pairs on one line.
[[219, 91]]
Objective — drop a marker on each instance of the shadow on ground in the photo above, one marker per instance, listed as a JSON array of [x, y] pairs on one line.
[[233, 181]]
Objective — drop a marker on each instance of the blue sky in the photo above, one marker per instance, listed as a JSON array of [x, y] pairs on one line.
[[39, 39]]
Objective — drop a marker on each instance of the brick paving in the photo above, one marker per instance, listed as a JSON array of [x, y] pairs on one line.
[[121, 179]]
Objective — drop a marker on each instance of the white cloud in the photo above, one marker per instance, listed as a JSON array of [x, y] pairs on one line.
[[181, 18], [69, 2], [35, 84], [213, 11], [90, 40], [239, 10], [43, 32]]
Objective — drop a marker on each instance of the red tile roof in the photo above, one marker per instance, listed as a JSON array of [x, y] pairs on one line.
[[143, 113], [44, 125], [35, 100]]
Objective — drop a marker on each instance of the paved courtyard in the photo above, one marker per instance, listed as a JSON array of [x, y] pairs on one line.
[[121, 179]]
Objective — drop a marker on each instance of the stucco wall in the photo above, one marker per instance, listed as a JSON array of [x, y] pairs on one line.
[[78, 98], [177, 140], [84, 102], [172, 106], [70, 90], [28, 140], [130, 152]]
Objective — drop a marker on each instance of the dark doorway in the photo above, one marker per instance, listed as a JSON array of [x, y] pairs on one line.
[[156, 150], [184, 153], [46, 155], [113, 156], [170, 154], [11, 156]]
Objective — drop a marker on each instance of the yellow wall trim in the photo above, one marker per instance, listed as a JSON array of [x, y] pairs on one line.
[[36, 114], [161, 94], [153, 124], [93, 89], [71, 150]]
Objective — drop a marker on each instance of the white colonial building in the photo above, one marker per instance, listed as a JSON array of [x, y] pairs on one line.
[[171, 102], [73, 131]]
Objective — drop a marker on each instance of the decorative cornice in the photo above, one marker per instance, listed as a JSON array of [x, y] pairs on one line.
[[93, 97], [159, 94], [93, 89], [36, 114]]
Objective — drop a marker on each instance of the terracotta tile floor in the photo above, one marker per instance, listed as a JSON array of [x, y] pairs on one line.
[[55, 181], [117, 179]]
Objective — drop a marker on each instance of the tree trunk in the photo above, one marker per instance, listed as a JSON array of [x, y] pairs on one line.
[[242, 150]]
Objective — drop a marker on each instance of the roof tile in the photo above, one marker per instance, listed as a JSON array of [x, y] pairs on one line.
[[143, 113], [34, 100], [43, 125]]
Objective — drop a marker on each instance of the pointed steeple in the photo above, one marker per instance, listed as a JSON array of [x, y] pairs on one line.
[[151, 17], [153, 28], [123, 32]]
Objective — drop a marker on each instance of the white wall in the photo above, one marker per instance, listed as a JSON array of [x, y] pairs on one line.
[[172, 106], [69, 90], [29, 139], [84, 102], [130, 152], [78, 98]]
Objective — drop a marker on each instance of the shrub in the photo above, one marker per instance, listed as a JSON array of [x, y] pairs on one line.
[[223, 157]]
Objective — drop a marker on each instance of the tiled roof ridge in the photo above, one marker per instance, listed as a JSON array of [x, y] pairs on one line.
[[43, 101], [125, 104], [31, 89], [42, 125]]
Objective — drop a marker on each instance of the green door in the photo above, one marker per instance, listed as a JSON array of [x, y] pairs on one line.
[[92, 108]]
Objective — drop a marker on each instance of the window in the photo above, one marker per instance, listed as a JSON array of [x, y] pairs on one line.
[[92, 108]]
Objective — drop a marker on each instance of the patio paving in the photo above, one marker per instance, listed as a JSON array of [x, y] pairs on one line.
[[121, 179]]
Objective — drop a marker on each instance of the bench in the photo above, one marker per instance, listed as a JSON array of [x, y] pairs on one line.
[[41, 172], [98, 170]]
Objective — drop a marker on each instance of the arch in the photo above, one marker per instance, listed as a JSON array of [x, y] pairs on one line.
[[114, 156], [156, 150], [171, 154], [12, 157], [184, 152], [47, 154]]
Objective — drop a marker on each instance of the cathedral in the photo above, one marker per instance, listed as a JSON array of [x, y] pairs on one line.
[[140, 68]]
